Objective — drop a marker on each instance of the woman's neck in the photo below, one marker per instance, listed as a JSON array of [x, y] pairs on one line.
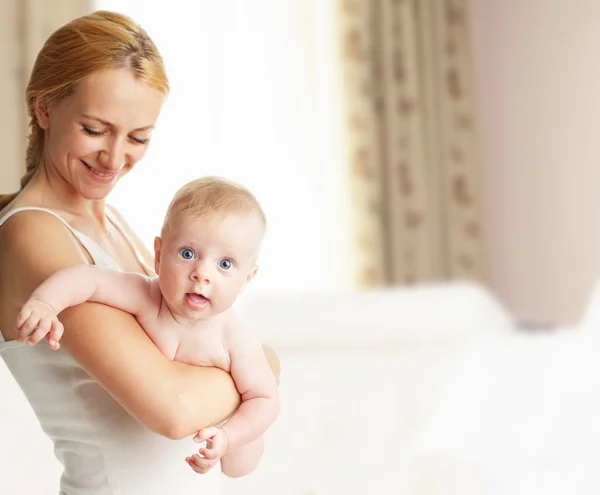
[[48, 190]]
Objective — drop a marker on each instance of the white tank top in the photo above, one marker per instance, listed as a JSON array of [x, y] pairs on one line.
[[103, 450]]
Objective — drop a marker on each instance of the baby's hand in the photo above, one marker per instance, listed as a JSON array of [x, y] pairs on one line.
[[216, 447], [37, 320]]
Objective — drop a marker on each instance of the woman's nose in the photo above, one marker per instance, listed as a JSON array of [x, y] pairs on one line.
[[113, 156]]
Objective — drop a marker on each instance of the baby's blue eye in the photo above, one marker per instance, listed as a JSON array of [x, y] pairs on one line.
[[226, 264], [187, 254]]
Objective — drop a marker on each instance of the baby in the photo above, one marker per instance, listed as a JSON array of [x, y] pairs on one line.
[[204, 258]]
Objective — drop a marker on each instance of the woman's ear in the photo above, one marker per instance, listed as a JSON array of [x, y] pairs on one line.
[[40, 109], [157, 253]]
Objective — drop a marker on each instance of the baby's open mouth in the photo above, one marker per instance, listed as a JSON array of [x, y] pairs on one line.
[[196, 301]]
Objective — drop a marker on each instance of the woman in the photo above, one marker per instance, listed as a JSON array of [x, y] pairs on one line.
[[117, 411]]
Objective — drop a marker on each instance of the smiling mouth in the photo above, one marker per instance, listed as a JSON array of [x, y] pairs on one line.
[[96, 172]]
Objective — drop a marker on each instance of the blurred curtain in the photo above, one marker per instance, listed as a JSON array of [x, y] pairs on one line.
[[24, 26], [411, 140]]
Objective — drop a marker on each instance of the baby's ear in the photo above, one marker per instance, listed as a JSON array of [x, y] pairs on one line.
[[157, 252], [249, 277], [252, 273]]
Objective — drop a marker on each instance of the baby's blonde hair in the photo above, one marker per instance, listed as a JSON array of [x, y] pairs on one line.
[[209, 196]]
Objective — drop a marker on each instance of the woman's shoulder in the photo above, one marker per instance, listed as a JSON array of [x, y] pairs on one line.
[[33, 245], [34, 237], [27, 227]]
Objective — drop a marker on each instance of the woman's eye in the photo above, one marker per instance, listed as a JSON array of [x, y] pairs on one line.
[[91, 132], [226, 264], [187, 254], [139, 140]]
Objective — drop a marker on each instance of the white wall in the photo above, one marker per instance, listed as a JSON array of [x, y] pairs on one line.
[[538, 67]]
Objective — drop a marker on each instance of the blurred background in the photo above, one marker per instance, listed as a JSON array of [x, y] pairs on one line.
[[439, 157], [391, 142]]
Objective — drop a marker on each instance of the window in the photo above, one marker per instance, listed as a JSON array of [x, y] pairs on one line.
[[254, 98]]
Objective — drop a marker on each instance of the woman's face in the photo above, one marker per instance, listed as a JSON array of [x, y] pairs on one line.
[[99, 132]]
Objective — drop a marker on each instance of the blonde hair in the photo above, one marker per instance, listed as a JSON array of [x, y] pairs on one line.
[[209, 196], [101, 40]]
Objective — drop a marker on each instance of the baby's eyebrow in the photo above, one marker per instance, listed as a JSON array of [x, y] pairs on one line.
[[105, 122]]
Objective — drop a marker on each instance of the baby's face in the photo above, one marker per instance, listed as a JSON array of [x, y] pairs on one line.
[[204, 263]]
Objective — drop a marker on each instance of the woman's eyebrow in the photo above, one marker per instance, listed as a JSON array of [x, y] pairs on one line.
[[104, 122]]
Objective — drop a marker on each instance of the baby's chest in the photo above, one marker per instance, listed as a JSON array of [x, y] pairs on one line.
[[191, 346], [203, 348]]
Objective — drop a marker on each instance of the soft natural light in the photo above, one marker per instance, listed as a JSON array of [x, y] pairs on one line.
[[254, 98]]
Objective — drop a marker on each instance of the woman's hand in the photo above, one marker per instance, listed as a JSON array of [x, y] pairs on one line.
[[273, 361]]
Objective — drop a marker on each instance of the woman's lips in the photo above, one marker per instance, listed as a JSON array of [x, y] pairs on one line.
[[103, 177]]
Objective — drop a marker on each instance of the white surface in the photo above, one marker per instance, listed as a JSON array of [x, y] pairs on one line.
[[521, 415]]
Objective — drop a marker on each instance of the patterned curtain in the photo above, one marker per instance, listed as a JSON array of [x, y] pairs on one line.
[[24, 27], [411, 140]]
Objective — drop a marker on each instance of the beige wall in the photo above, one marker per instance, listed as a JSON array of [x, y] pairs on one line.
[[538, 67], [12, 120], [24, 26]]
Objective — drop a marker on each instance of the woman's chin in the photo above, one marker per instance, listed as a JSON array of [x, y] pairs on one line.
[[96, 191], [95, 194]]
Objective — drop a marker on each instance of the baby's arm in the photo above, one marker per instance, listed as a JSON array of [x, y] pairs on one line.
[[74, 285], [239, 440]]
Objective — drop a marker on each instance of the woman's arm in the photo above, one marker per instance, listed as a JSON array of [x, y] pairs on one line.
[[169, 398]]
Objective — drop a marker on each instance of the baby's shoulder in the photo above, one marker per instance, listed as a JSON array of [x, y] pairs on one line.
[[152, 296], [153, 289], [236, 333], [231, 323]]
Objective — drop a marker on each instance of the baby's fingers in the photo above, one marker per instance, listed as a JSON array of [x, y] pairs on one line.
[[206, 434], [41, 330], [212, 454], [22, 317], [199, 464], [27, 327], [55, 334]]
